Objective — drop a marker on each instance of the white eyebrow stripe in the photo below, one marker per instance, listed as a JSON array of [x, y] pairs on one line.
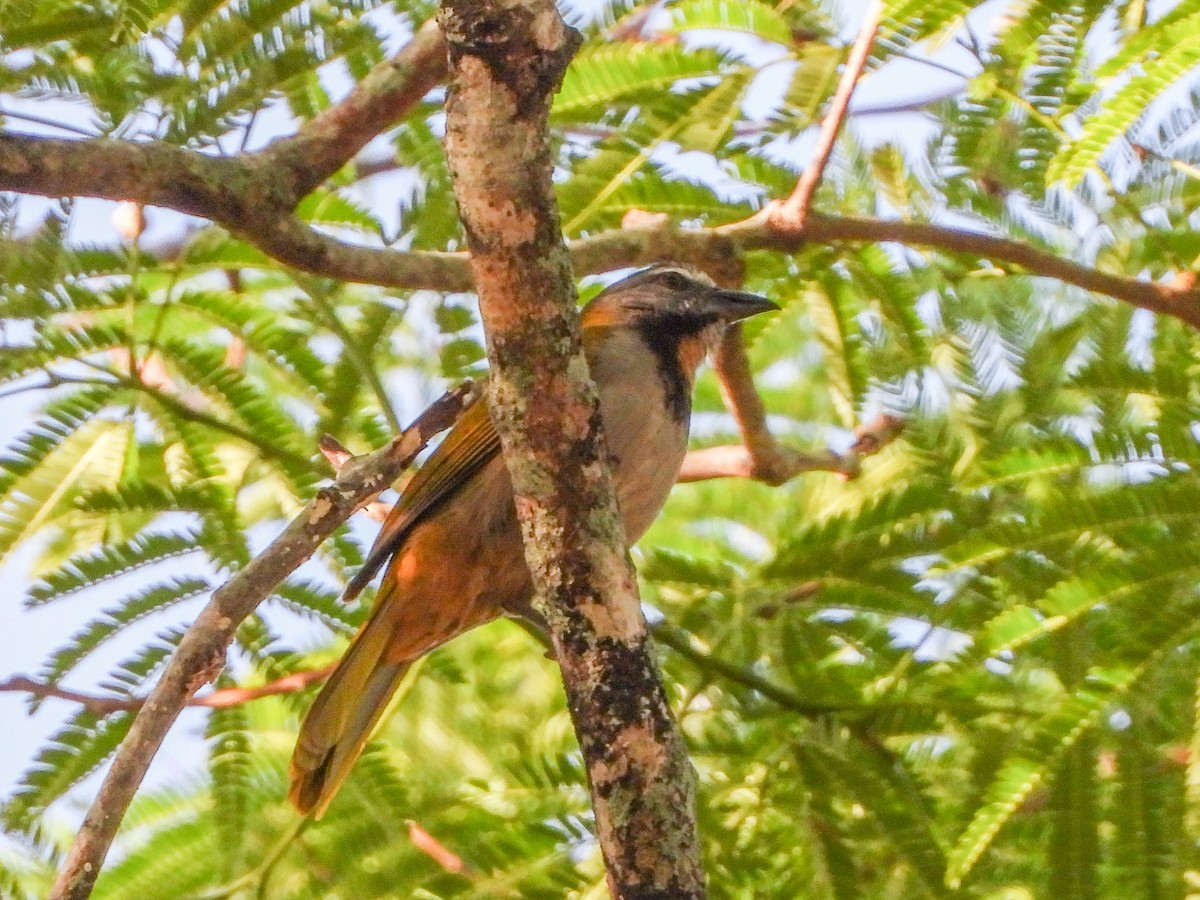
[[693, 274]]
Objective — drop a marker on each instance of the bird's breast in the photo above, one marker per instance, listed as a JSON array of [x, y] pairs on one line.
[[646, 435]]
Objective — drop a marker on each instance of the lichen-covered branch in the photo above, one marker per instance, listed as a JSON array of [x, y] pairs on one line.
[[201, 652], [506, 59], [255, 202]]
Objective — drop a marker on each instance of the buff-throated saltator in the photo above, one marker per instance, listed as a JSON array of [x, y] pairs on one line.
[[457, 559]]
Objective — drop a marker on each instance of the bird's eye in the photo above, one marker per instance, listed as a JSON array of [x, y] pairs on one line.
[[676, 281]]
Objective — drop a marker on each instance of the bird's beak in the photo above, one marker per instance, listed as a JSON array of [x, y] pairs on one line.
[[733, 306]]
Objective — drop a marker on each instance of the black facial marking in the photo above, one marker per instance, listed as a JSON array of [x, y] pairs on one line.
[[664, 343]]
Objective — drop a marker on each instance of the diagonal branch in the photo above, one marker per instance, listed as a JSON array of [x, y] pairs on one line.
[[385, 95], [761, 456], [795, 209], [736, 377], [201, 653], [252, 194]]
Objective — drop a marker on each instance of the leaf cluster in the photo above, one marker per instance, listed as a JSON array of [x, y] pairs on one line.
[[969, 672]]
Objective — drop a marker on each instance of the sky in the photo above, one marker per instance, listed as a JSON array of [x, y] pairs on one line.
[[32, 634]]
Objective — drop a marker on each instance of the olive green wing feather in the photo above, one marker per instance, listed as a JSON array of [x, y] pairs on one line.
[[469, 446]]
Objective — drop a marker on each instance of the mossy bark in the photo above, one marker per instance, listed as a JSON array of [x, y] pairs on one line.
[[507, 58]]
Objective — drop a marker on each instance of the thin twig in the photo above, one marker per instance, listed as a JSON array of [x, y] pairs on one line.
[[52, 381], [682, 642], [260, 874], [910, 106], [775, 463], [934, 64], [436, 850], [201, 652], [188, 411], [268, 448], [103, 706], [795, 209], [690, 648], [33, 119]]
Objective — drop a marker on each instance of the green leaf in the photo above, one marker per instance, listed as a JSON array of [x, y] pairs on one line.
[[68, 757], [110, 561], [154, 599], [745, 16], [1160, 627], [618, 159], [1122, 110], [231, 770], [91, 457], [605, 74]]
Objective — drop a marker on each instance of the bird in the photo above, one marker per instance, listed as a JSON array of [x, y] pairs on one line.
[[452, 544]]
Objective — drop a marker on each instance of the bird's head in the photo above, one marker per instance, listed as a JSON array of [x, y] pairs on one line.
[[671, 300], [676, 313], [679, 313]]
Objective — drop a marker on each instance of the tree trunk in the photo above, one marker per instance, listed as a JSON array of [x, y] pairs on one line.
[[507, 58]]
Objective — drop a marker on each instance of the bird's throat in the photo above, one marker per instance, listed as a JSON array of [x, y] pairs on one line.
[[678, 356]]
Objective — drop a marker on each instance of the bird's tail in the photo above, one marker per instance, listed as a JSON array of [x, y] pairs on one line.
[[341, 719]]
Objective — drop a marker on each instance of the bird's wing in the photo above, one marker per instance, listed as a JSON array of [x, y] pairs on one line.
[[469, 446]]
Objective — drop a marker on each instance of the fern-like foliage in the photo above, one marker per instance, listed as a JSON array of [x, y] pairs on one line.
[[969, 671]]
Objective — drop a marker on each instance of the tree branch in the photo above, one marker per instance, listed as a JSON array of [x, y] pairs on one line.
[[153, 174], [794, 210], [736, 378], [338, 456], [506, 57], [691, 649], [684, 643], [297, 245], [760, 456], [1181, 301], [246, 198], [106, 705], [201, 652], [251, 194], [774, 463], [385, 95]]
